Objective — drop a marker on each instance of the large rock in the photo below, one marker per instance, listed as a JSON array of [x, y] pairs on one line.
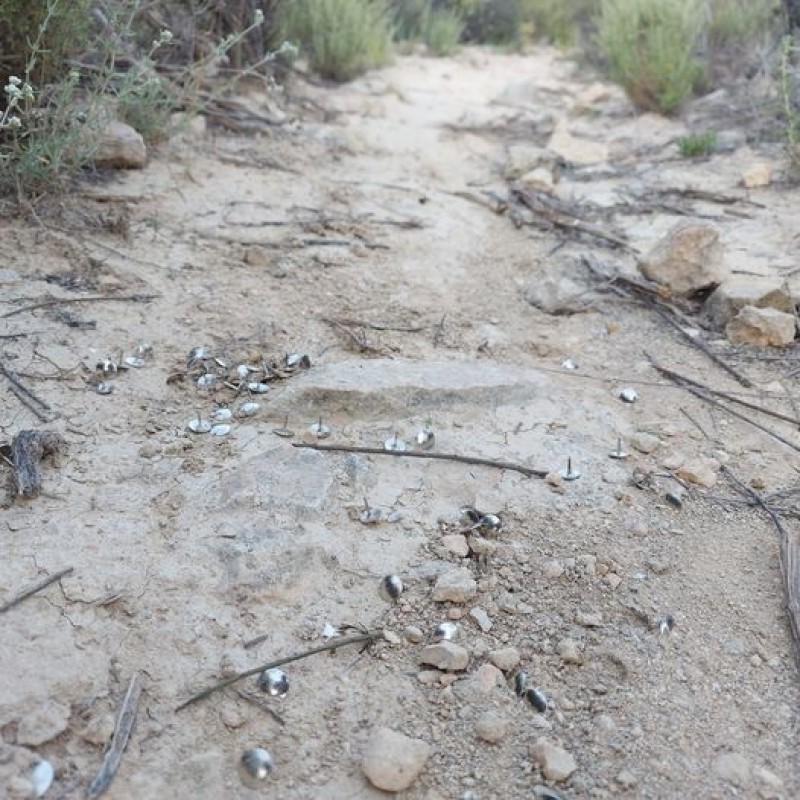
[[580, 152], [687, 260], [393, 761], [739, 291], [561, 286], [446, 656], [120, 147], [761, 326]]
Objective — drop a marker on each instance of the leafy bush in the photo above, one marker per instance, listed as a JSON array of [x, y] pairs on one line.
[[496, 22], [442, 32], [651, 49], [341, 38], [558, 21], [696, 145], [733, 22]]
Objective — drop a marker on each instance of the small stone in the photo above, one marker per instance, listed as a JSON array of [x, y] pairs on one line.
[[413, 634], [764, 327], [555, 762], [427, 677], [491, 727], [555, 481], [456, 586], [552, 569], [733, 767], [484, 681], [580, 152], [657, 566], [99, 729], [673, 461], [43, 724], [455, 613], [482, 618], [394, 761], [589, 619], [612, 579], [505, 658], [540, 178], [626, 779], [687, 260], [645, 442], [391, 637], [446, 656], [701, 471], [569, 651], [120, 147], [739, 291], [757, 176], [256, 256], [456, 543]]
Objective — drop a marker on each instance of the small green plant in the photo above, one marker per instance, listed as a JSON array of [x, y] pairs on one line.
[[737, 22], [697, 145], [442, 32], [557, 21], [341, 38], [651, 49], [498, 22]]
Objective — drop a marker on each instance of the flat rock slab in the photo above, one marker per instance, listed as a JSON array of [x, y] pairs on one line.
[[391, 386]]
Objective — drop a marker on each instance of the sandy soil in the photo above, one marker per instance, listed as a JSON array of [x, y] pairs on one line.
[[185, 547]]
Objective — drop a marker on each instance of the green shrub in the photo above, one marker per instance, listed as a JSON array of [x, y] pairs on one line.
[[442, 33], [697, 145], [341, 38], [651, 49], [496, 22], [557, 21], [740, 22], [410, 18]]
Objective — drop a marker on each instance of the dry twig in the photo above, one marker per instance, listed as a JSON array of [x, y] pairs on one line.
[[34, 589], [61, 301], [25, 395]]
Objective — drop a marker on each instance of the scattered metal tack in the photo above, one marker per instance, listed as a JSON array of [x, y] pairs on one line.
[[394, 444], [104, 387], [248, 409], [391, 588], [538, 699], [569, 364], [256, 764], [469, 515], [619, 453], [134, 361], [370, 515], [207, 380], [570, 474], [285, 432], [330, 631], [107, 366], [41, 776], [425, 439], [143, 349], [666, 624], [221, 414], [198, 425], [490, 522], [242, 371], [274, 682], [257, 387], [445, 632], [628, 395], [197, 354], [297, 361], [520, 683], [221, 429], [320, 429], [546, 793]]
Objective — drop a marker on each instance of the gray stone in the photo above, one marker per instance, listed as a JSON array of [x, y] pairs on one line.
[[589, 619], [482, 618], [393, 761], [522, 159], [393, 387], [700, 471], [505, 658], [733, 767], [560, 286], [687, 260], [43, 724], [770, 785], [446, 656], [573, 150], [413, 634], [553, 569], [645, 442], [120, 147], [739, 291], [554, 761], [764, 327], [626, 779], [491, 727], [569, 651], [456, 586]]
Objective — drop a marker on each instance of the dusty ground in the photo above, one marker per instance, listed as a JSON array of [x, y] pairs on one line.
[[185, 547]]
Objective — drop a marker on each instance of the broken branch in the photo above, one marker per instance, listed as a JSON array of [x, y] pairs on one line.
[[34, 589]]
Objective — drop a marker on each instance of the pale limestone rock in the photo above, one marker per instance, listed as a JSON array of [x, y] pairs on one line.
[[394, 761], [764, 327], [555, 762], [579, 152], [739, 291], [120, 147]]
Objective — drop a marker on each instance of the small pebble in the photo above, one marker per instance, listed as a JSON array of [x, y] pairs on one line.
[[589, 619], [505, 658], [626, 779], [569, 651], [645, 442], [456, 586], [393, 761], [413, 634], [555, 762], [482, 618], [456, 543], [446, 656], [491, 727]]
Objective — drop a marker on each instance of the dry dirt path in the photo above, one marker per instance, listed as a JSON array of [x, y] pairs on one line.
[[185, 547]]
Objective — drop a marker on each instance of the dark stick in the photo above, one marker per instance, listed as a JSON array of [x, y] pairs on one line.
[[789, 555], [32, 590], [378, 451], [369, 636], [258, 702], [678, 378], [25, 395], [122, 732], [62, 301]]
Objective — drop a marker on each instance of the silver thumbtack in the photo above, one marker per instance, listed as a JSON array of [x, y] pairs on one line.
[[619, 453], [570, 474], [285, 432], [320, 429]]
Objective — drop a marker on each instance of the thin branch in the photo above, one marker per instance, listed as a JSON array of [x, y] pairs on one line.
[[25, 395], [369, 636], [122, 732], [32, 590], [61, 301], [529, 472]]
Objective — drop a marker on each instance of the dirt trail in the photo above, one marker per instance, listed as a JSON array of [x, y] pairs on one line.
[[184, 547]]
